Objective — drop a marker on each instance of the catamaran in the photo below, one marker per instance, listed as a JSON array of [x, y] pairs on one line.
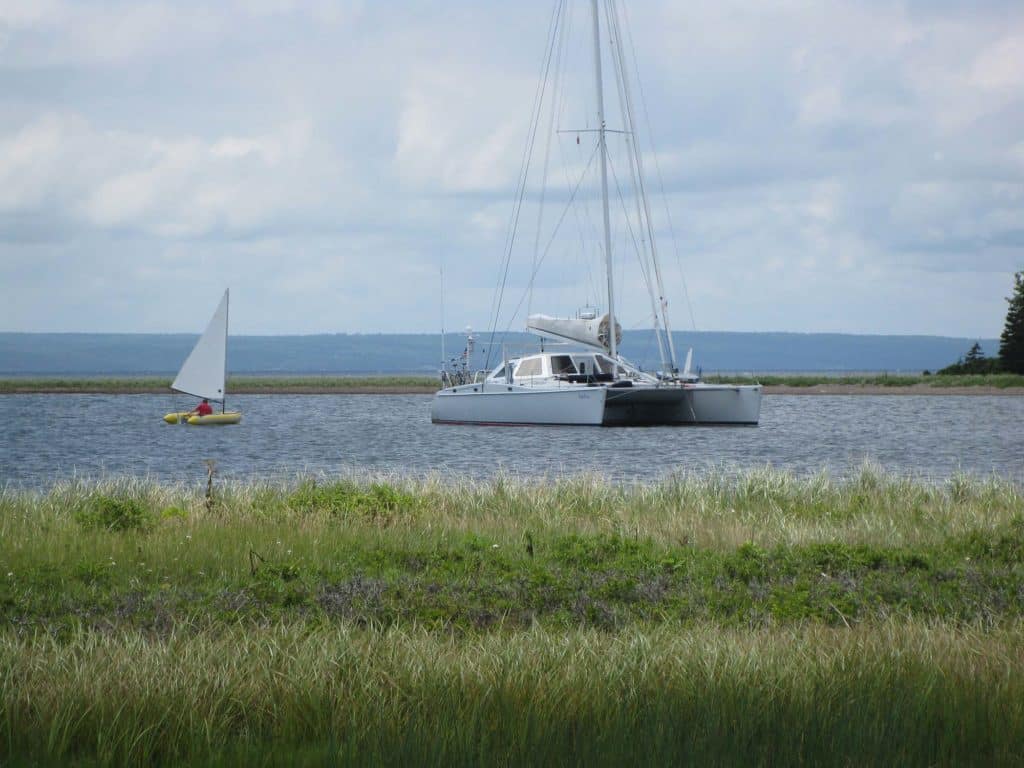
[[204, 372], [578, 376]]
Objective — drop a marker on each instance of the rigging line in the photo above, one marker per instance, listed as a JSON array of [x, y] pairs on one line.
[[547, 147], [558, 224], [636, 160], [650, 272], [629, 227], [657, 169], [582, 226], [585, 225], [525, 169], [560, 101], [523, 173]]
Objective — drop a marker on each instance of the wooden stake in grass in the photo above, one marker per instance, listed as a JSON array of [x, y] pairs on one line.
[[210, 465], [255, 558]]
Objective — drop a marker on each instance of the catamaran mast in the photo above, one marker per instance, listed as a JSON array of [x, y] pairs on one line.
[[224, 386], [604, 182]]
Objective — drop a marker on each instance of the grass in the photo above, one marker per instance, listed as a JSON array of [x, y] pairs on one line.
[[236, 384], [900, 693], [997, 380], [759, 548], [755, 618], [342, 384]]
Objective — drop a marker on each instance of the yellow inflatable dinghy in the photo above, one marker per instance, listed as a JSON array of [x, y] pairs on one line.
[[184, 417]]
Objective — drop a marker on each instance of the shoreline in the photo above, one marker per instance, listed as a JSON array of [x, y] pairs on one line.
[[875, 389], [83, 388]]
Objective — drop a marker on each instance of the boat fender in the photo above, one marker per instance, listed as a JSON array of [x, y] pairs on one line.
[[621, 384]]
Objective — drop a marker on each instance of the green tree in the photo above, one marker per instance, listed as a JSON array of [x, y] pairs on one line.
[[1011, 343], [974, 354]]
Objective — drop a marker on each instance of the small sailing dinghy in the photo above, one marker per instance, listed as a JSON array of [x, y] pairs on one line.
[[204, 372]]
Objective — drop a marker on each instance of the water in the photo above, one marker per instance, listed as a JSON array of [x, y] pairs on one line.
[[49, 437]]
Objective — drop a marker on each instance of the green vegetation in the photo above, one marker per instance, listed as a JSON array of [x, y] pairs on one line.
[[424, 384], [701, 619], [1011, 342], [236, 384], [996, 380], [974, 362], [899, 693]]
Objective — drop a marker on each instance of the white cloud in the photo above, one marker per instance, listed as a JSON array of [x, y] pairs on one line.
[[823, 105], [181, 186], [460, 132], [819, 157], [1000, 66]]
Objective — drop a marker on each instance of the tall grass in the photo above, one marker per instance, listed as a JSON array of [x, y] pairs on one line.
[[759, 548], [997, 380], [236, 384], [766, 507], [340, 384], [753, 618], [901, 693]]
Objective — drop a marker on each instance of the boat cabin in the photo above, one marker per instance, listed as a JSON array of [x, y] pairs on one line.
[[547, 367]]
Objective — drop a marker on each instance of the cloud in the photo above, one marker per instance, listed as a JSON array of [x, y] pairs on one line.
[[166, 187], [820, 160]]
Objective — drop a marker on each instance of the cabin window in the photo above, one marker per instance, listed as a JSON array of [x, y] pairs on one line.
[[562, 364], [500, 373], [585, 364], [603, 364], [529, 367]]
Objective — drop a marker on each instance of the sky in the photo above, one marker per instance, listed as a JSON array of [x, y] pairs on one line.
[[819, 165]]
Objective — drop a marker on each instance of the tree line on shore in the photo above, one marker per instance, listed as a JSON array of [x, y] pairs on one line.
[[1011, 342]]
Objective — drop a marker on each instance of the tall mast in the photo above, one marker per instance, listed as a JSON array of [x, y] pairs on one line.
[[224, 386], [604, 181]]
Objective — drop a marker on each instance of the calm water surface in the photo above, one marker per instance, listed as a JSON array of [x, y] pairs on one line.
[[49, 437]]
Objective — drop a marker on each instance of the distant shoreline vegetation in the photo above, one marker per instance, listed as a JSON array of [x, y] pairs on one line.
[[1011, 343], [317, 384]]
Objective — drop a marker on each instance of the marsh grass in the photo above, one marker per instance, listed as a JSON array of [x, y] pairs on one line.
[[897, 693], [746, 618], [342, 384], [997, 380], [236, 384], [760, 547]]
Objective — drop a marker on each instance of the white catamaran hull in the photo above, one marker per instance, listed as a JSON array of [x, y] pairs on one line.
[[517, 405], [597, 406], [696, 404]]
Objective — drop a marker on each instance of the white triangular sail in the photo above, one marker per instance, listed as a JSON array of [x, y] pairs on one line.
[[203, 373]]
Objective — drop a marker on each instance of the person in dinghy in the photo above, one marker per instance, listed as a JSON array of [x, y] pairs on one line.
[[203, 409]]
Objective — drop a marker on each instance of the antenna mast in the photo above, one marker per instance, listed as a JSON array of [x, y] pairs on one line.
[[444, 358]]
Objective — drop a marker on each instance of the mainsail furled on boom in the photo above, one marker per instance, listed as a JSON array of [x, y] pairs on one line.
[[592, 332]]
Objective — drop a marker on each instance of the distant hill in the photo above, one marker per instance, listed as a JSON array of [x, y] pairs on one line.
[[134, 354]]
